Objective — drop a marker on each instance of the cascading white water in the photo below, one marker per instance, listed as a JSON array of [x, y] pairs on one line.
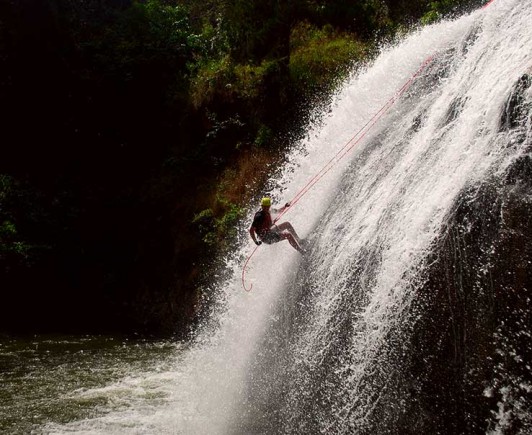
[[372, 221]]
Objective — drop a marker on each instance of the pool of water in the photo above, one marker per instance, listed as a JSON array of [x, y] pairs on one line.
[[54, 380]]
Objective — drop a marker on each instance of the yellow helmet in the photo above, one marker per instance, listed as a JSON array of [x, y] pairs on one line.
[[266, 201]]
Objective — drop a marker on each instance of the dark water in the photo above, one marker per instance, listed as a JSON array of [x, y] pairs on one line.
[[43, 379]]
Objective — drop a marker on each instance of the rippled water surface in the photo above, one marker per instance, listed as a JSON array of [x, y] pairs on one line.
[[57, 380]]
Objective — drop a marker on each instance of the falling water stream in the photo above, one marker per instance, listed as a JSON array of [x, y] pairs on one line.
[[320, 343]]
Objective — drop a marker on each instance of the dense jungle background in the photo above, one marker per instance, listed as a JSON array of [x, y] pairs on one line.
[[136, 133]]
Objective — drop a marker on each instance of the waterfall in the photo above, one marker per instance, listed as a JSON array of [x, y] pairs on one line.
[[332, 344], [338, 341]]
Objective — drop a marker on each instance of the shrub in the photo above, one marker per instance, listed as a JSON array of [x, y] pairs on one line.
[[11, 242], [220, 227], [226, 81], [321, 57], [212, 78], [440, 8]]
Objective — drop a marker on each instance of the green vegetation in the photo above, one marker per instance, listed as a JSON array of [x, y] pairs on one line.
[[137, 132], [441, 8], [320, 58], [222, 79], [20, 210], [218, 227]]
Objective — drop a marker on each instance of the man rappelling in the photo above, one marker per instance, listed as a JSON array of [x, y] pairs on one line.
[[264, 228]]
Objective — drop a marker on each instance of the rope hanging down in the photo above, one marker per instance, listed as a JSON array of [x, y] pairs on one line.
[[346, 149]]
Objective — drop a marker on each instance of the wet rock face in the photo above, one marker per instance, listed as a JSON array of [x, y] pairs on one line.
[[471, 349], [467, 341], [464, 364], [518, 111]]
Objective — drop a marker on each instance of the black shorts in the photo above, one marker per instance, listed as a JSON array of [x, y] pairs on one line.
[[271, 237]]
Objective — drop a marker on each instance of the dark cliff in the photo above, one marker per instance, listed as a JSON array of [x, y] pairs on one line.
[[466, 367]]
